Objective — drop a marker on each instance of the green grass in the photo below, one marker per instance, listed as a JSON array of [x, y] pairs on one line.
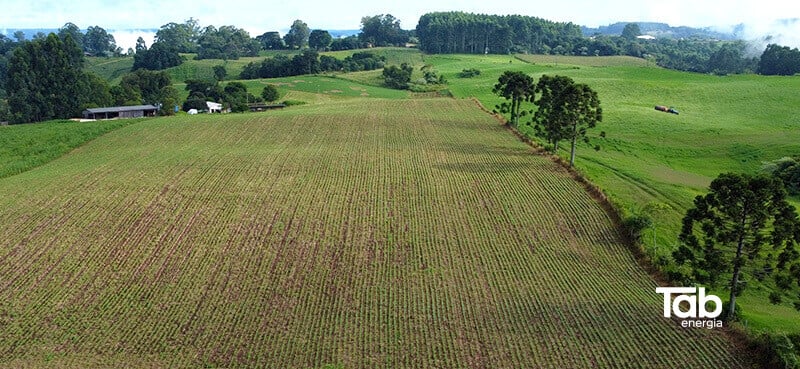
[[365, 232], [585, 61], [729, 123], [732, 123], [393, 55], [726, 124], [26, 146], [307, 88], [359, 84], [110, 69], [327, 86], [204, 68], [319, 88]]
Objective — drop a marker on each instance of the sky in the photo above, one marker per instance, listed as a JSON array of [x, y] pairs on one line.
[[260, 16]]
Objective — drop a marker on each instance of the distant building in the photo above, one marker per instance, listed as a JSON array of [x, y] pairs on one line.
[[646, 37], [214, 107], [113, 112]]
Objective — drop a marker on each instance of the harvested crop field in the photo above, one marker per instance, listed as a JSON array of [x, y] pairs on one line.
[[369, 233]]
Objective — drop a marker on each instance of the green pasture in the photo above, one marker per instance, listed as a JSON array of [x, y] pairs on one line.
[[27, 146], [110, 69]]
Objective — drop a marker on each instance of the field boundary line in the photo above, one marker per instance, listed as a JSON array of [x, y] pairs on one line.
[[735, 335], [595, 192]]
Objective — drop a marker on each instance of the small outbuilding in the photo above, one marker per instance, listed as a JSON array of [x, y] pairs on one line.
[[137, 111], [214, 107]]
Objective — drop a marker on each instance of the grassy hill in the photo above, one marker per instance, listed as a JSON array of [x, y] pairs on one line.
[[365, 233], [23, 147], [112, 69]]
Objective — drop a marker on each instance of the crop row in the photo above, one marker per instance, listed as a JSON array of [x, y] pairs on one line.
[[411, 233]]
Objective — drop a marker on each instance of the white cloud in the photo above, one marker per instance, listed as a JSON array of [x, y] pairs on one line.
[[258, 17], [782, 32], [127, 38]]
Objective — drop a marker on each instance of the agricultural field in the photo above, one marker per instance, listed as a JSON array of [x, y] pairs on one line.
[[436, 205], [407, 233], [655, 160]]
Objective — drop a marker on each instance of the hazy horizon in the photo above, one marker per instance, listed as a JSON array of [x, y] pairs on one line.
[[767, 17]]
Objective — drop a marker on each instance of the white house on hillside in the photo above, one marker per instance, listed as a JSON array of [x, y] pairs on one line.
[[214, 107]]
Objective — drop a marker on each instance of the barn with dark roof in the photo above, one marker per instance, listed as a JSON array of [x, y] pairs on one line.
[[137, 111]]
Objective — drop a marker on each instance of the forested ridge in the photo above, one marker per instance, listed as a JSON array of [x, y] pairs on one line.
[[468, 33]]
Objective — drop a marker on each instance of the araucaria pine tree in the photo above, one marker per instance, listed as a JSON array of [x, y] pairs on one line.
[[743, 228]]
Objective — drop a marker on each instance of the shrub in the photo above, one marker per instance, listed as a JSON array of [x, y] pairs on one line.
[[788, 170], [397, 77], [198, 103], [636, 224], [775, 298], [293, 102], [777, 351], [270, 93], [469, 73]]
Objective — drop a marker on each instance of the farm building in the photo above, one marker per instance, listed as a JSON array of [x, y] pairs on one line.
[[136, 111], [214, 107]]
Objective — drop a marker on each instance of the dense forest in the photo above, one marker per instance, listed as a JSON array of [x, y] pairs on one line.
[[459, 32], [310, 62], [467, 33]]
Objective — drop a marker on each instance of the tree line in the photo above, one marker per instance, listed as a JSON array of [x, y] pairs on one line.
[[231, 43], [468, 33], [45, 80], [310, 62], [459, 32]]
